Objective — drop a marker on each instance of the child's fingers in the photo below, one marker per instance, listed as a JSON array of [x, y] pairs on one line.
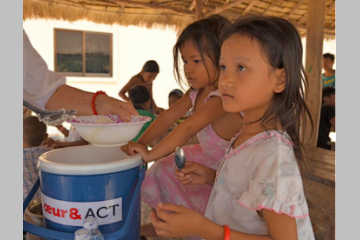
[[190, 167], [159, 225], [168, 207]]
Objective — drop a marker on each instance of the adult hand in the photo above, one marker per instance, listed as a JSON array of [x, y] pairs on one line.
[[195, 174], [109, 105], [181, 222]]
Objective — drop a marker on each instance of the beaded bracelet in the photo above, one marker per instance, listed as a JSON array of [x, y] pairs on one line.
[[93, 101], [227, 232]]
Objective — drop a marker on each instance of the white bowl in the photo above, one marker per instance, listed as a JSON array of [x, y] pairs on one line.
[[108, 130]]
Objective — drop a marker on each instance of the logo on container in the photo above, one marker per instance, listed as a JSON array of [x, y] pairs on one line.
[[73, 213]]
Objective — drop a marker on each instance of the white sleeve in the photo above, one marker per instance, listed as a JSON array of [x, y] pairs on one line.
[[39, 83]]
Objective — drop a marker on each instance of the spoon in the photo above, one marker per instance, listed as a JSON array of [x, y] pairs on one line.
[[180, 158], [50, 117]]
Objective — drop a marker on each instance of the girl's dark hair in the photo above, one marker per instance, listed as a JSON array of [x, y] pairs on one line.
[[151, 66], [139, 94], [205, 35], [281, 43]]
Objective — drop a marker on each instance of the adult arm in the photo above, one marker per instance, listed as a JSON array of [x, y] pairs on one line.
[[72, 98]]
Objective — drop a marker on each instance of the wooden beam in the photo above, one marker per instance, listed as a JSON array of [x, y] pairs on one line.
[[331, 7], [271, 5], [313, 65], [224, 7], [333, 24], [198, 10], [294, 9], [156, 6], [249, 7], [192, 5]]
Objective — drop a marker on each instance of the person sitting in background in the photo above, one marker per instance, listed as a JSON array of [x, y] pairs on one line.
[[34, 134], [174, 96], [328, 77], [72, 138], [327, 117], [145, 78], [140, 98]]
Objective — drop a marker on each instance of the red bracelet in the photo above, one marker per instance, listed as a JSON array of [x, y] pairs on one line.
[[93, 101], [227, 232]]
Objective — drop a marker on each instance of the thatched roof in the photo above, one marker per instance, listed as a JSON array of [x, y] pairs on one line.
[[171, 13]]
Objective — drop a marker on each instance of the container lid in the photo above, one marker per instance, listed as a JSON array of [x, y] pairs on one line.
[[82, 234], [87, 160]]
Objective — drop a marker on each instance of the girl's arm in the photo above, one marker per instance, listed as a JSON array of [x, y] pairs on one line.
[[126, 88], [186, 222], [165, 120], [63, 130], [208, 113], [152, 97]]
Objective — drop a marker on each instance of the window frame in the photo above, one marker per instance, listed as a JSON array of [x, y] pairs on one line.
[[83, 73]]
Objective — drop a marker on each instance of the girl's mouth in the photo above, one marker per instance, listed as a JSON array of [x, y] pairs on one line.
[[226, 96]]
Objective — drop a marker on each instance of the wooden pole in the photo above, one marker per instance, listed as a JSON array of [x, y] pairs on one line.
[[313, 66], [198, 10]]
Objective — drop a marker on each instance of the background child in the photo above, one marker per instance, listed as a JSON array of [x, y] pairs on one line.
[[34, 134], [71, 138], [258, 191], [140, 98], [327, 117], [145, 78], [174, 96], [199, 46], [328, 77]]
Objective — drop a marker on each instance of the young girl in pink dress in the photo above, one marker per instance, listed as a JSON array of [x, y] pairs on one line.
[[257, 193], [199, 47]]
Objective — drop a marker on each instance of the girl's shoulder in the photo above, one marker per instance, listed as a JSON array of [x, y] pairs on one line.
[[265, 142]]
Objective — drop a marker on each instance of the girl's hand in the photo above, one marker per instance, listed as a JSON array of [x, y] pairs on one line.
[[133, 148], [195, 174], [125, 148], [181, 222]]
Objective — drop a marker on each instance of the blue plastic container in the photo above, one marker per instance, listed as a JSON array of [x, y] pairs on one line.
[[88, 180]]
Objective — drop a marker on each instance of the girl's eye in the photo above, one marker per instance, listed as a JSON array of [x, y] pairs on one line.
[[222, 68], [241, 68], [184, 62], [197, 61]]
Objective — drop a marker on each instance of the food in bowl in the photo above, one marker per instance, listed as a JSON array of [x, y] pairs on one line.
[[108, 130]]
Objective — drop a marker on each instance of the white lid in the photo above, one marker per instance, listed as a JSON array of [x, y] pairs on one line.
[[90, 223], [87, 160], [82, 234]]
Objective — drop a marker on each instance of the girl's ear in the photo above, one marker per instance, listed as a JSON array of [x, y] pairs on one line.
[[281, 80]]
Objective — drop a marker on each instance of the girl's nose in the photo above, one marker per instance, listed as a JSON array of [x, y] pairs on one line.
[[225, 80]]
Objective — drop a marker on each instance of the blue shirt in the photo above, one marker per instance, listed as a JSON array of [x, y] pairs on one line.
[[328, 82]]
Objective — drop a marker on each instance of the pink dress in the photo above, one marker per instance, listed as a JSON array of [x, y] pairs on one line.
[[161, 185]]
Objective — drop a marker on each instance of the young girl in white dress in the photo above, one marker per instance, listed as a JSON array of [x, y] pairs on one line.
[[257, 192]]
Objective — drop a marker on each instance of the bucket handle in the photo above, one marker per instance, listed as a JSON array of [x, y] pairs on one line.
[[57, 235]]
